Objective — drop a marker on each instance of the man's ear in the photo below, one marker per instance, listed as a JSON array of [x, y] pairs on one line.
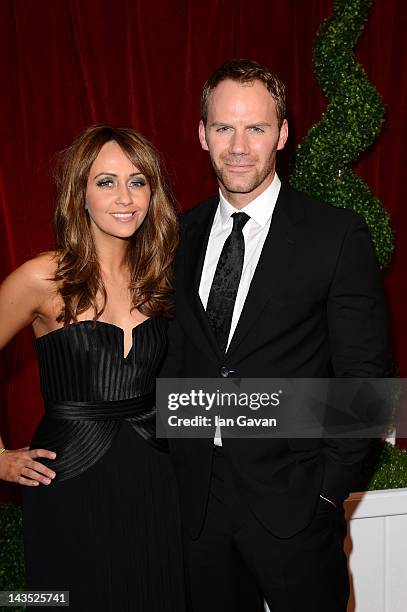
[[283, 135], [202, 136]]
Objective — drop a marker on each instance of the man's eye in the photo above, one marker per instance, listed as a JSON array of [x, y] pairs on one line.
[[104, 183], [257, 130], [223, 128]]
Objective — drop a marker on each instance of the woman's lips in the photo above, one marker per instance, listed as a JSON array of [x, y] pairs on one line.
[[123, 217]]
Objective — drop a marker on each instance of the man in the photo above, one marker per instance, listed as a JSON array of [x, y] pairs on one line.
[[270, 283]]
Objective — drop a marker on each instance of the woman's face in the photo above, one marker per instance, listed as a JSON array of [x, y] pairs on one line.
[[117, 194]]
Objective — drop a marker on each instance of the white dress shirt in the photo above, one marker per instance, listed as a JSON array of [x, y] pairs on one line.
[[260, 211]]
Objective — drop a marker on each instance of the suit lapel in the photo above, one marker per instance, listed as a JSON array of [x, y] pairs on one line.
[[272, 266], [195, 242]]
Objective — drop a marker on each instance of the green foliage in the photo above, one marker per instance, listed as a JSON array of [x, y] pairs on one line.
[[11, 548], [387, 466], [12, 576], [350, 125]]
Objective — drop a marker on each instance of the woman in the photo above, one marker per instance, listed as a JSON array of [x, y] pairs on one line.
[[100, 511]]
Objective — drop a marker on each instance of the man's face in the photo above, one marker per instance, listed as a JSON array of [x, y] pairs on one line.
[[242, 137]]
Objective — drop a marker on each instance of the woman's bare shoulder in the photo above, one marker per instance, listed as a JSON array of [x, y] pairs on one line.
[[26, 294], [39, 272]]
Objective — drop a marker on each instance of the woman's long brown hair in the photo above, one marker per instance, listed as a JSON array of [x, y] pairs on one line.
[[151, 250]]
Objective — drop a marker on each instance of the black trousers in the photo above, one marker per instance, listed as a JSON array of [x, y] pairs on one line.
[[236, 563]]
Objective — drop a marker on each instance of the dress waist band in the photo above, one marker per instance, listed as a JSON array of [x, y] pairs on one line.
[[80, 433], [139, 407]]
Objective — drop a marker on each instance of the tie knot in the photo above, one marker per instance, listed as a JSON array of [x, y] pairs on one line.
[[239, 221]]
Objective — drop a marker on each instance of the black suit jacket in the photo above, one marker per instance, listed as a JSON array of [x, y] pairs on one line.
[[315, 308]]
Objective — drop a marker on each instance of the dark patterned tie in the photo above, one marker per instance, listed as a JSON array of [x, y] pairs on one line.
[[222, 296]]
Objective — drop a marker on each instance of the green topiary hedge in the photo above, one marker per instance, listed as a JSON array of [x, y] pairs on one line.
[[354, 116], [387, 465], [12, 576]]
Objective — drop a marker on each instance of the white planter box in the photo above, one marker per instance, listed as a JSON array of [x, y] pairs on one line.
[[377, 550]]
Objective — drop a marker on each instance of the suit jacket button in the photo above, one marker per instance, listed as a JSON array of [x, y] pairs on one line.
[[224, 372]]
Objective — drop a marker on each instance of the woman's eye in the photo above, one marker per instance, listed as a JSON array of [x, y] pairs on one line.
[[137, 183], [104, 183]]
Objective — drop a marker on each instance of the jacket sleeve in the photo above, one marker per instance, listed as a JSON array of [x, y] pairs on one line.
[[357, 324]]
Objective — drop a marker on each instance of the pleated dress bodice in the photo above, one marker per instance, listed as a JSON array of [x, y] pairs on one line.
[[89, 387], [85, 361]]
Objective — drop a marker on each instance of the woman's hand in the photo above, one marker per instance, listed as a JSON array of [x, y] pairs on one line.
[[19, 466]]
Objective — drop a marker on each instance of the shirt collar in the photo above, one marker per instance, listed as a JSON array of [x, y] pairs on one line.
[[260, 209]]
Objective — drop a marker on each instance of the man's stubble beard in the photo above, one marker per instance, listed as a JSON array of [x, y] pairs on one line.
[[240, 184]]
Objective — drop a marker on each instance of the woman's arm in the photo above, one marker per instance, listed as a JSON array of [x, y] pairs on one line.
[[23, 296]]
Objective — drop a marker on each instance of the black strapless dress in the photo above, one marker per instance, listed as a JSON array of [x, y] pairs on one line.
[[107, 528]]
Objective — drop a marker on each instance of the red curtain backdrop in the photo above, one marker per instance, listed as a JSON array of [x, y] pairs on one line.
[[68, 64]]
